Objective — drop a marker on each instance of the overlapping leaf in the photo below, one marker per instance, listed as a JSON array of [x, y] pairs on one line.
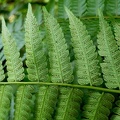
[[109, 50], [93, 6], [112, 7], [14, 62], [24, 103], [46, 102], [78, 7], [60, 66], [116, 26], [116, 111], [87, 67], [6, 92], [97, 106], [68, 106], [36, 60]]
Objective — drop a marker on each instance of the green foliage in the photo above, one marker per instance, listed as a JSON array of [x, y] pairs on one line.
[[97, 106], [24, 103], [112, 7], [60, 67], [14, 62], [68, 104], [66, 51], [87, 68], [46, 101], [34, 50], [78, 7], [6, 92], [93, 6], [116, 26], [116, 111], [109, 50], [2, 76]]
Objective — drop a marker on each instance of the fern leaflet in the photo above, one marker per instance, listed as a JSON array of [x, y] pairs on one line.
[[116, 111], [61, 11], [112, 7], [36, 60], [93, 5], [61, 69], [46, 102], [86, 58], [97, 106], [14, 62], [116, 26], [79, 7], [6, 92], [68, 104], [109, 50], [24, 103]]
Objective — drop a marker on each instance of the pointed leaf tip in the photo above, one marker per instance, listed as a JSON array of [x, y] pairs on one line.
[[100, 13], [69, 13], [3, 22], [66, 10], [4, 27], [44, 10], [29, 8]]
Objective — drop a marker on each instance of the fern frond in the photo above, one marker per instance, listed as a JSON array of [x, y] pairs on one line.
[[14, 62], [24, 102], [78, 7], [36, 60], [116, 26], [6, 92], [87, 67], [68, 104], [112, 7], [109, 50], [93, 6], [60, 66], [61, 10], [97, 106], [2, 75], [116, 111], [45, 102], [92, 26]]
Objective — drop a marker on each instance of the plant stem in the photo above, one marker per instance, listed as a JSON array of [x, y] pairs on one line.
[[66, 85]]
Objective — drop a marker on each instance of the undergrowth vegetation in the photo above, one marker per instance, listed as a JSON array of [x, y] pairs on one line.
[[72, 66]]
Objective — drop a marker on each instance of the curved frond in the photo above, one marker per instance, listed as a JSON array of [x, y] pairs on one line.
[[93, 6], [6, 92], [46, 102], [87, 68], [116, 111], [97, 106], [112, 7], [68, 106], [60, 66], [14, 62], [2, 75], [109, 50], [24, 102], [36, 60]]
